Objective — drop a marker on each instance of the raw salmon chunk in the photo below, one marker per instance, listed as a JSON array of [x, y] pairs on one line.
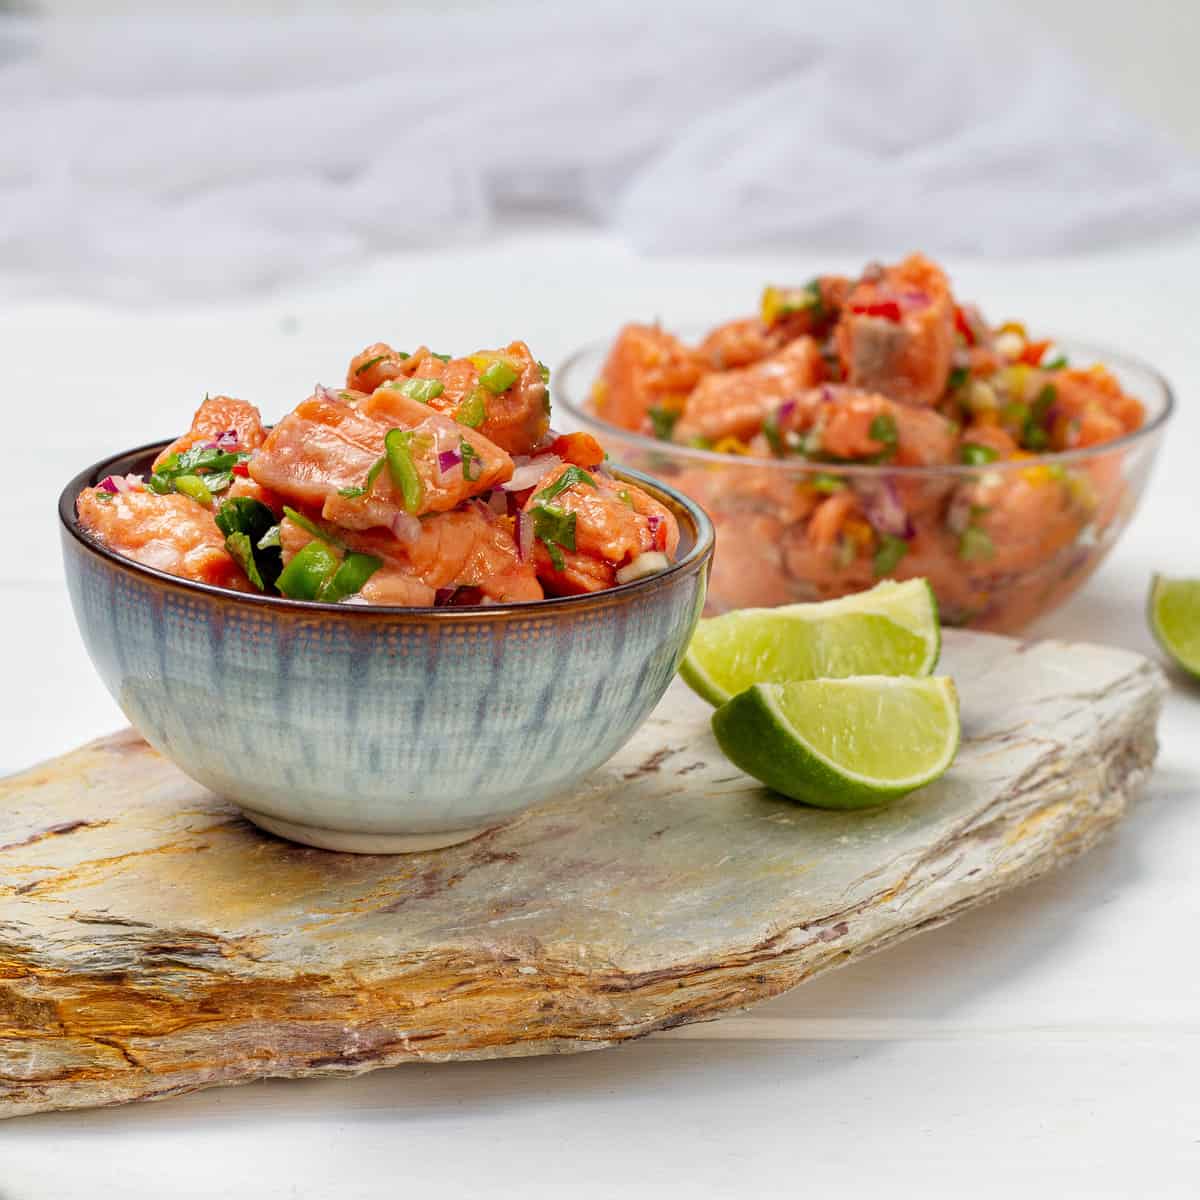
[[500, 393], [170, 533], [897, 333], [468, 548], [240, 422], [648, 372], [587, 526], [322, 455], [735, 403]]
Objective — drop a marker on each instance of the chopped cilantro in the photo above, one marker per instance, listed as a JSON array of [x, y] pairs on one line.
[[663, 421], [975, 455], [883, 429], [571, 476], [888, 554], [827, 483], [975, 544], [242, 552], [554, 527]]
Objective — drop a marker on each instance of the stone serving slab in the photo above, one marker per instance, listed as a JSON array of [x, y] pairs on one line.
[[153, 942]]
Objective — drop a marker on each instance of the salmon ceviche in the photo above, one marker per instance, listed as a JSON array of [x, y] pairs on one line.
[[853, 382], [427, 480]]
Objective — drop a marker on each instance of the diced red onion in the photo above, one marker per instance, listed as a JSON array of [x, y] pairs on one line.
[[227, 439], [498, 502], [531, 472], [443, 597], [657, 531], [406, 527], [119, 484], [325, 393], [784, 411], [524, 533], [885, 511], [448, 460]]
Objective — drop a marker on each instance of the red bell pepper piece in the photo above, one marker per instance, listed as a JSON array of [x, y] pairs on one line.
[[1033, 353], [889, 310], [963, 325]]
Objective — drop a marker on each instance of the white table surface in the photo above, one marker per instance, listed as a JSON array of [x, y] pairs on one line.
[[1048, 1044]]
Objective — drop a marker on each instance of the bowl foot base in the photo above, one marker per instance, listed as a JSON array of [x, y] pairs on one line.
[[359, 843]]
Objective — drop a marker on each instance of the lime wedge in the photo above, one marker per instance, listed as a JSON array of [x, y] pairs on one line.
[[1175, 620], [891, 630], [842, 743]]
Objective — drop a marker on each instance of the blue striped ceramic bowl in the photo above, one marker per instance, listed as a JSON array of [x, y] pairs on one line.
[[380, 730]]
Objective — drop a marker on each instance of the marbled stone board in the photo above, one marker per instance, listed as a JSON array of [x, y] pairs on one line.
[[153, 942]]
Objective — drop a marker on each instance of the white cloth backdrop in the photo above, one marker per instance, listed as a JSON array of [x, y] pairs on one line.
[[185, 155]]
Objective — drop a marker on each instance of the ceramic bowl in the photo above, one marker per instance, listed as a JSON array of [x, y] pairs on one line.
[[377, 729], [1054, 517]]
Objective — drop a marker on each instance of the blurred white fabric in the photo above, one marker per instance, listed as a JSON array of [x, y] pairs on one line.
[[203, 156]]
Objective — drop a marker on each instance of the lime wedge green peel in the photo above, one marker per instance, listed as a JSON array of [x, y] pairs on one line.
[[1175, 620], [842, 743], [891, 630]]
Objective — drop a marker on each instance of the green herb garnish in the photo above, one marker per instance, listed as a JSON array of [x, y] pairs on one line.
[[958, 377], [544, 371], [554, 527], [244, 514], [397, 444], [571, 476], [975, 544], [883, 429], [774, 437], [663, 421], [975, 455], [242, 552], [439, 357], [1056, 363], [888, 554], [827, 483], [352, 493]]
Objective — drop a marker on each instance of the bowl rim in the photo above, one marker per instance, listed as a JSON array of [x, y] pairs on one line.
[[575, 406], [704, 540]]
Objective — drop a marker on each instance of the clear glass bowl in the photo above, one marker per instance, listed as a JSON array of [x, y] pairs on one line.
[[1049, 519]]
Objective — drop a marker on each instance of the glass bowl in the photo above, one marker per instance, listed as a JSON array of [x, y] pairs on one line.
[[1001, 543]]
